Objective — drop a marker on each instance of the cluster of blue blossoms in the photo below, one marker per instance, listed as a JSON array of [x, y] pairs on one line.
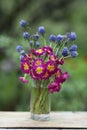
[[62, 42]]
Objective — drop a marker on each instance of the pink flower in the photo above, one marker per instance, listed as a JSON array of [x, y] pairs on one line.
[[60, 61], [25, 67], [39, 52], [51, 67], [53, 57], [38, 62], [63, 77], [39, 71], [25, 59], [23, 80], [46, 76], [48, 49], [54, 87]]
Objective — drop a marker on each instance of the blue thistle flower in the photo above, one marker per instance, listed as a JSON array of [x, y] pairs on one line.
[[65, 51], [21, 57], [26, 35], [22, 52], [59, 38], [23, 23], [19, 48], [31, 42], [37, 44], [41, 30], [36, 36], [73, 48], [52, 38], [74, 54], [72, 36]]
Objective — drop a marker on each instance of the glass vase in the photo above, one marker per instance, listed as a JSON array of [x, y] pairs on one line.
[[40, 102]]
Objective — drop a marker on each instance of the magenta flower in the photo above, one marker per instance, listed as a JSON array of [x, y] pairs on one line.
[[54, 87], [25, 67], [33, 76], [51, 67], [46, 76], [39, 52], [48, 49], [39, 71], [53, 57], [38, 62], [23, 80]]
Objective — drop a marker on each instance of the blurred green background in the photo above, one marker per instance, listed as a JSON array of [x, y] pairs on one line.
[[58, 17]]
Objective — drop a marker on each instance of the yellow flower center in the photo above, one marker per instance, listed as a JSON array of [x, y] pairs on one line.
[[39, 70], [52, 58], [26, 67], [50, 67], [46, 74], [38, 62], [57, 74], [39, 50]]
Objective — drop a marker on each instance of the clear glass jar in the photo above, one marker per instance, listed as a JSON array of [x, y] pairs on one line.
[[40, 102]]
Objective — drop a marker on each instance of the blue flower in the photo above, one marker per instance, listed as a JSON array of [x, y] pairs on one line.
[[21, 57], [72, 36], [41, 30], [65, 51], [23, 23], [59, 38], [19, 48], [26, 35], [74, 54], [37, 44], [22, 52], [36, 36], [31, 42], [52, 38], [73, 48]]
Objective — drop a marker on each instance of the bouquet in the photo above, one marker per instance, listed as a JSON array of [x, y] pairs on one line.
[[44, 59]]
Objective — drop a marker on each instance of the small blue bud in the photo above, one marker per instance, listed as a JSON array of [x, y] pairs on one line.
[[74, 54], [19, 48], [65, 51], [72, 36], [73, 48], [36, 36], [59, 38], [52, 38], [31, 42], [26, 35], [23, 23], [21, 57], [37, 44], [41, 30], [22, 52]]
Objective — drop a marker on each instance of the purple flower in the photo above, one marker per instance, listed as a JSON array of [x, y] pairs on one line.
[[26, 35], [72, 36], [73, 48], [23, 23], [74, 54], [52, 38], [65, 51], [41, 30], [19, 48]]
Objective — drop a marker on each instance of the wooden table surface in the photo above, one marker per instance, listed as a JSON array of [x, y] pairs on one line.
[[59, 120]]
